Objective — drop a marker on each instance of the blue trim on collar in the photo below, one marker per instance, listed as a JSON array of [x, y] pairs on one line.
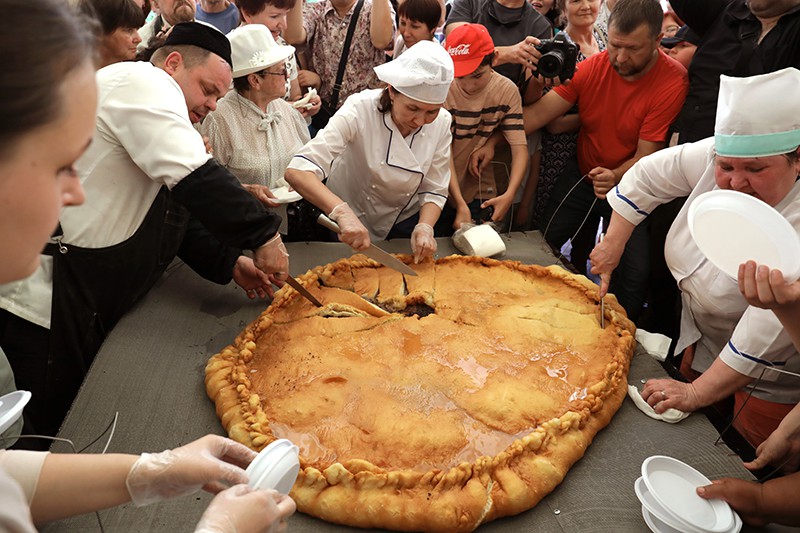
[[434, 193], [630, 202], [754, 359]]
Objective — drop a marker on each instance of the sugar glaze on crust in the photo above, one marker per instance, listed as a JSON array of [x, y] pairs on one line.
[[469, 400]]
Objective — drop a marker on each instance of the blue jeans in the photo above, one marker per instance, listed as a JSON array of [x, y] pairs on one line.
[[558, 224]]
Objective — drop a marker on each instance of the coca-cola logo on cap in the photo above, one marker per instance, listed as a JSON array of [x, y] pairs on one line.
[[460, 50]]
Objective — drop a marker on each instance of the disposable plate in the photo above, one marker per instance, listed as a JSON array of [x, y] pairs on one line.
[[673, 485], [731, 228], [284, 196], [11, 406], [657, 514], [275, 467]]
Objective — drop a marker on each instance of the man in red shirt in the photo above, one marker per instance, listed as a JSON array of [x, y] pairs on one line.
[[627, 97]]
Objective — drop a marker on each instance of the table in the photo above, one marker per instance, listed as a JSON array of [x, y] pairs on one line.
[[151, 370]]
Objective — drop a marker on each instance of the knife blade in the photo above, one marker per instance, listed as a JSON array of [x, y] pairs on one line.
[[293, 283], [373, 252]]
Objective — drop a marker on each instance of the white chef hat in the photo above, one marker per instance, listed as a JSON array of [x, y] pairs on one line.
[[758, 116], [423, 72], [253, 49]]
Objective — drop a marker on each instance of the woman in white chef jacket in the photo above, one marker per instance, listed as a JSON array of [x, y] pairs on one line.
[[754, 151], [385, 155]]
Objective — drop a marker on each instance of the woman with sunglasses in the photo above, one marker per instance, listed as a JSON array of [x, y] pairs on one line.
[[254, 132]]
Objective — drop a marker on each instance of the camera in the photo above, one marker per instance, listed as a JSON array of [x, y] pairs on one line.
[[559, 56]]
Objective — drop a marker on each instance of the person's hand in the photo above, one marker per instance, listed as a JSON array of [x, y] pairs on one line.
[[603, 180], [211, 463], [523, 53], [273, 259], [207, 142], [262, 194], [780, 448], [351, 231], [423, 244], [743, 496], [463, 216], [308, 78], [254, 282], [241, 509], [501, 206], [663, 394], [316, 104], [480, 158], [766, 288], [605, 258]]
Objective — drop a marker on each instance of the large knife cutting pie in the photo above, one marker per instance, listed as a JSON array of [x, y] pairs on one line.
[[430, 403]]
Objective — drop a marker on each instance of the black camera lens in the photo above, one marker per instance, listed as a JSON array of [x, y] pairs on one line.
[[551, 63]]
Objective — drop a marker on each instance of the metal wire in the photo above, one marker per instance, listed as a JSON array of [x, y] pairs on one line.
[[585, 218]]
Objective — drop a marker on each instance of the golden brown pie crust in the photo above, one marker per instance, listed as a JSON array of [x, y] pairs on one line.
[[439, 422]]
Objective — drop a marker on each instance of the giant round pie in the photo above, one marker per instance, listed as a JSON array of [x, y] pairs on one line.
[[435, 402]]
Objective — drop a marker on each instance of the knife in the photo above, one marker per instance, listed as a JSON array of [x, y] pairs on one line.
[[602, 298], [293, 283], [373, 252]]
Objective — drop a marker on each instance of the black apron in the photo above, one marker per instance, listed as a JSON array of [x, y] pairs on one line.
[[93, 289]]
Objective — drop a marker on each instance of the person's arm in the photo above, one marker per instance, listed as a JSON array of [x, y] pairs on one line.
[[783, 444], [309, 187], [775, 501], [423, 244], [606, 254], [544, 111], [716, 383], [519, 165], [463, 215], [604, 179], [295, 33], [566, 124], [381, 24]]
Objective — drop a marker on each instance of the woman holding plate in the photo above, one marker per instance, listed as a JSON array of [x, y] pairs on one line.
[[732, 348], [254, 132]]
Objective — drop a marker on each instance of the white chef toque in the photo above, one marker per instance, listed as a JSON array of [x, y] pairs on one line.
[[424, 72], [758, 116]]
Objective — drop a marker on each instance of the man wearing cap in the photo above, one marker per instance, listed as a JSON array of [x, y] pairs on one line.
[[171, 12], [738, 38], [481, 102], [385, 155], [682, 46], [151, 191], [754, 151]]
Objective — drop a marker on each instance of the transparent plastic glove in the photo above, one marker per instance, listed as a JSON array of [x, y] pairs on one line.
[[272, 258], [242, 509], [351, 231], [422, 242], [211, 463]]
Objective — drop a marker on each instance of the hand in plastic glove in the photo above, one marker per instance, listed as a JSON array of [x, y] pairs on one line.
[[272, 258], [211, 463], [423, 244], [351, 231], [242, 509]]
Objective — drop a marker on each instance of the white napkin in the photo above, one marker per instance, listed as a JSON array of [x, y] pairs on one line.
[[673, 416], [656, 344]]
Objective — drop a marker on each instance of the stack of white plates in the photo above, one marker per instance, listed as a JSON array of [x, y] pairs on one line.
[[275, 467], [670, 504]]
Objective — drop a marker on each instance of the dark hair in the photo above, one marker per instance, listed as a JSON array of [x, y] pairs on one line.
[[428, 12], [192, 55], [488, 59], [385, 101], [43, 41], [113, 14], [242, 83], [628, 15], [254, 7]]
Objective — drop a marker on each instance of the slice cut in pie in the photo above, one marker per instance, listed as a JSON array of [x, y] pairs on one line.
[[435, 403]]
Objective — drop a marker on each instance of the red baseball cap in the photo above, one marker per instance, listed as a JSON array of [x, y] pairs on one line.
[[468, 44]]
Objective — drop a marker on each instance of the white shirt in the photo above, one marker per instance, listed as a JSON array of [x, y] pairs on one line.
[[384, 177], [715, 314], [143, 140]]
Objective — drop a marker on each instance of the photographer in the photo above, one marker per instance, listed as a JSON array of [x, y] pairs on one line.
[[627, 96]]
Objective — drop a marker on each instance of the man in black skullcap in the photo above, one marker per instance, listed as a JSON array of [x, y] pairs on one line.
[[152, 192]]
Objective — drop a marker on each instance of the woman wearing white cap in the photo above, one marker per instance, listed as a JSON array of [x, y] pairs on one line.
[[754, 151], [254, 132], [385, 155]]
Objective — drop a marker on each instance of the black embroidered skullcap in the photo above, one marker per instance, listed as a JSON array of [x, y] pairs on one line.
[[203, 36]]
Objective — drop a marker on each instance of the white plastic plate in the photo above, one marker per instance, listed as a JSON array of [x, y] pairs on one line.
[[657, 514], [284, 196], [11, 406], [672, 484], [731, 228], [275, 467]]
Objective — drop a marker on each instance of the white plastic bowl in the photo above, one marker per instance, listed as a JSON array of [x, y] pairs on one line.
[[275, 467]]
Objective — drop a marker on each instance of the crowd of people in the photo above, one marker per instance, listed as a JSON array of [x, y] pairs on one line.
[[393, 119]]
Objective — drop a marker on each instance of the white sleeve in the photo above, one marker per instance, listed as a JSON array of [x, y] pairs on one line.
[[220, 142], [145, 111], [433, 188], [660, 177], [318, 155]]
